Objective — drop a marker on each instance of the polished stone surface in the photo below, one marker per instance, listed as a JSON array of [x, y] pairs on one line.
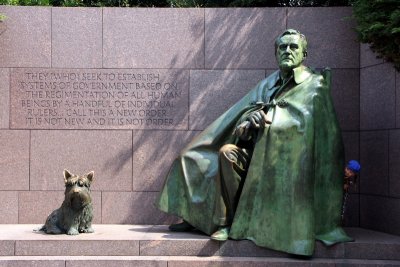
[[212, 92], [4, 98], [29, 262], [146, 240], [26, 40], [351, 142], [153, 153], [184, 261], [77, 43], [377, 97], [35, 206], [242, 38], [374, 178], [397, 99], [367, 57], [77, 248], [110, 261], [132, 208], [162, 38], [7, 248], [179, 247], [346, 97], [14, 160], [8, 207], [394, 163], [139, 99], [107, 153], [380, 213], [44, 37], [339, 47]]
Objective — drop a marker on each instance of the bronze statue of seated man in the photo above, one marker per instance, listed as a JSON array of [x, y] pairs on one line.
[[270, 168]]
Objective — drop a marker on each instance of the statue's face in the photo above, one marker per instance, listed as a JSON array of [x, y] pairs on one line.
[[289, 53]]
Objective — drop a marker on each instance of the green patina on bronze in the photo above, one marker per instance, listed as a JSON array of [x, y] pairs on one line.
[[76, 212], [293, 189]]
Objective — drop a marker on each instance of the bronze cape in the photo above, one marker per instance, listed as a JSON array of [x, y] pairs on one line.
[[293, 189]]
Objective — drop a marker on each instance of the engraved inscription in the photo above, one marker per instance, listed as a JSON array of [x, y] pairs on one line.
[[99, 99]]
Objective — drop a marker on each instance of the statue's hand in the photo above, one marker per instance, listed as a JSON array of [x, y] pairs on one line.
[[242, 130], [257, 119]]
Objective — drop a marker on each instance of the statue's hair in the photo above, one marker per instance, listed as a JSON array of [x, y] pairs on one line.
[[293, 32]]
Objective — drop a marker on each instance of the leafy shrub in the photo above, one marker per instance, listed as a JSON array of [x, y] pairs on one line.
[[89, 3], [379, 26], [178, 3], [256, 3], [25, 2]]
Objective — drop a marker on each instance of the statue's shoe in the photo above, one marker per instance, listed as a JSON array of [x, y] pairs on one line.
[[181, 227], [221, 235]]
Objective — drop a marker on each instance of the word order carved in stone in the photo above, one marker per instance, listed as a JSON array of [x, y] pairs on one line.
[[99, 99]]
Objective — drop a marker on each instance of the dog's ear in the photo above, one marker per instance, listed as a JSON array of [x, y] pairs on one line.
[[67, 175], [90, 176]]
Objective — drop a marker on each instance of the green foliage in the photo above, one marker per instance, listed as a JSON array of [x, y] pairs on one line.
[[256, 3], [178, 3], [110, 3], [148, 3], [90, 3], [2, 18], [25, 2], [379, 26]]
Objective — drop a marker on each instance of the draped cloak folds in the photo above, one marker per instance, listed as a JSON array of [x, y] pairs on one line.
[[293, 189]]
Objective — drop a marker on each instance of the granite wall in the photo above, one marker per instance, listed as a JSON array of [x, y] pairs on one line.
[[379, 144], [121, 91]]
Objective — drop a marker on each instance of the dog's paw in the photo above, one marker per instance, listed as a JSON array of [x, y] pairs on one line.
[[86, 230], [54, 231], [72, 231]]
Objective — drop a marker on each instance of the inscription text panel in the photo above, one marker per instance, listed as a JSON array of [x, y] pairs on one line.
[[99, 99]]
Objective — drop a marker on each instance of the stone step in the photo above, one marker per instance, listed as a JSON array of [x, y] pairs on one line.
[[156, 240], [184, 261]]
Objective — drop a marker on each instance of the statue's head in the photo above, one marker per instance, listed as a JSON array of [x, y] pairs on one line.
[[290, 49]]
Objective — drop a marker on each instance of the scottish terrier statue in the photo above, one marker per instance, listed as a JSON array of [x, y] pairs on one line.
[[76, 212]]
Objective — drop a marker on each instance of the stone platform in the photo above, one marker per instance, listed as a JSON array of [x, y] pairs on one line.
[[154, 245]]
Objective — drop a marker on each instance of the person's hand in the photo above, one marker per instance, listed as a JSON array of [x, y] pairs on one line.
[[346, 187]]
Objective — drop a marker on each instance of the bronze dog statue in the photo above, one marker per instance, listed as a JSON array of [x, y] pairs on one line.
[[76, 212]]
